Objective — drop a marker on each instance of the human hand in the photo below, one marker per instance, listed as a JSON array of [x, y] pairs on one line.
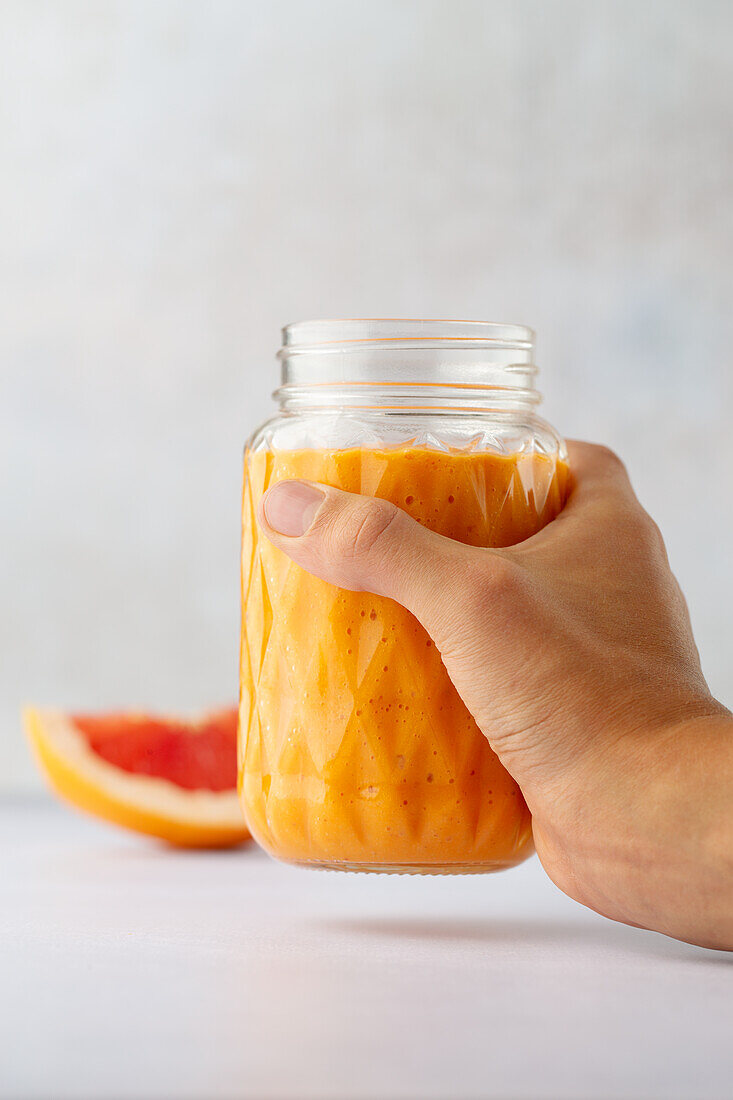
[[574, 653]]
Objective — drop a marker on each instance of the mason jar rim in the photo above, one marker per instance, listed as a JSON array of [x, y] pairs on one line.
[[354, 334], [406, 362]]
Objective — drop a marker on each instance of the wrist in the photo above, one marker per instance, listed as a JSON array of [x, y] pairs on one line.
[[650, 839]]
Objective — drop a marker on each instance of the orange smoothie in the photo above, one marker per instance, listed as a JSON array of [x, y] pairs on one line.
[[355, 749]]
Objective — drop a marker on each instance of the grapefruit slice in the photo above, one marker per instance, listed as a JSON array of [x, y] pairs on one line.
[[164, 777]]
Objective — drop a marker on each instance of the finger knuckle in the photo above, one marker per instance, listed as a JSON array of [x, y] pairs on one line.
[[610, 458], [362, 529], [650, 534]]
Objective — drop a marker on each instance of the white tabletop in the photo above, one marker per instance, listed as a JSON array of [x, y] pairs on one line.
[[132, 971]]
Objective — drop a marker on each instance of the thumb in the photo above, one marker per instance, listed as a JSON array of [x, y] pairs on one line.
[[368, 544]]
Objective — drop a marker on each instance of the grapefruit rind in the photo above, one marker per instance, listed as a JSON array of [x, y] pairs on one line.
[[145, 804]]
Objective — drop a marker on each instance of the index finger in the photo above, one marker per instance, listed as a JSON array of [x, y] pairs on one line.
[[595, 470]]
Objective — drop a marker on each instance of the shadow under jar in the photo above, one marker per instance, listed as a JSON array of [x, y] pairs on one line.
[[355, 750]]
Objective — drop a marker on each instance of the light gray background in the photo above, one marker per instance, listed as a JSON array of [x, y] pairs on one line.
[[179, 179]]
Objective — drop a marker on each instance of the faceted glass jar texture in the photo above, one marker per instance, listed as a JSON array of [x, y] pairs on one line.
[[355, 750]]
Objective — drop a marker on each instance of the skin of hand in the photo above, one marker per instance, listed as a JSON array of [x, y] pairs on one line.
[[574, 653]]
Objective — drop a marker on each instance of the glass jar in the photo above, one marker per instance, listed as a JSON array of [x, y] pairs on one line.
[[356, 751]]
